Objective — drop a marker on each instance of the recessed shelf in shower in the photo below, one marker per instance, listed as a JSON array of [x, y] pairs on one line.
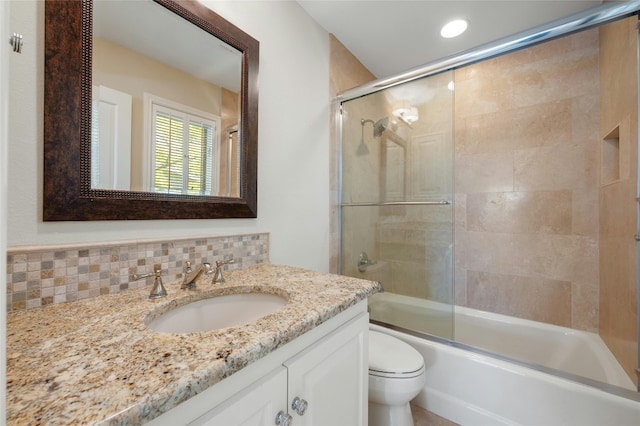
[[614, 153]]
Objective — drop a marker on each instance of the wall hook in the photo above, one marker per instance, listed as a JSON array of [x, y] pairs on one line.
[[16, 42]]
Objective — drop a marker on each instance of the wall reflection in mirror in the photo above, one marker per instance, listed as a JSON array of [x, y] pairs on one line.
[[165, 104]]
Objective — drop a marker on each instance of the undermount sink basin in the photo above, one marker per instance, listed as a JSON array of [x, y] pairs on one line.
[[218, 312]]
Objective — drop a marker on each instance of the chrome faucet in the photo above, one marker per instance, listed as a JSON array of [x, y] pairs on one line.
[[364, 262], [158, 289], [190, 275], [218, 278]]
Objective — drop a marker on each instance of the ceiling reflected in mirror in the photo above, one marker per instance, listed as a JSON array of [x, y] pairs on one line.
[[143, 26], [165, 104]]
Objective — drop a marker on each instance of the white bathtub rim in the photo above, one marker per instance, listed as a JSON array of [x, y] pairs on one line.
[[506, 363], [472, 312], [614, 374], [578, 398]]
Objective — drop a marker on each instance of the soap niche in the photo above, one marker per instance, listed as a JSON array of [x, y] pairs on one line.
[[611, 157], [614, 155]]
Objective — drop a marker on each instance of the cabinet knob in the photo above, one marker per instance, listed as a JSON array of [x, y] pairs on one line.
[[299, 405], [283, 419]]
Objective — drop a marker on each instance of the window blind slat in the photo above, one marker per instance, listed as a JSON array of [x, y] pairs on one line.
[[184, 161], [95, 146]]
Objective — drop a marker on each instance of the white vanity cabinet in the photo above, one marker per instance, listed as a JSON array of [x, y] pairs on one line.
[[330, 378], [324, 371], [257, 405]]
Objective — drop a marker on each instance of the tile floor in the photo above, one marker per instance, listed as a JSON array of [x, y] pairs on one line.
[[422, 417]]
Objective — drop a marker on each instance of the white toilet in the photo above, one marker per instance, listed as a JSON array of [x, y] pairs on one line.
[[396, 376]]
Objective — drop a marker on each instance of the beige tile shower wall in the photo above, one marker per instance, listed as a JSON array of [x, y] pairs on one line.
[[526, 181], [618, 249], [417, 241], [361, 183], [345, 72], [417, 247], [411, 244], [47, 275]]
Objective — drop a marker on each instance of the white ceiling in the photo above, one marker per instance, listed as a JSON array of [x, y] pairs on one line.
[[393, 36]]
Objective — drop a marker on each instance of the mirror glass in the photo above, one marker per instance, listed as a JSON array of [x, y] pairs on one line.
[[150, 112], [165, 104]]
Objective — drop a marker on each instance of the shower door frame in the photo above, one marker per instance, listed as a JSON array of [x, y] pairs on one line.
[[594, 17], [637, 236]]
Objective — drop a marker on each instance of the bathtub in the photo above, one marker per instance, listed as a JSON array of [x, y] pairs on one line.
[[470, 386]]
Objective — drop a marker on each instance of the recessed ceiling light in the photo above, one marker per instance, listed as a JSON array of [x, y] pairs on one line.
[[454, 28]]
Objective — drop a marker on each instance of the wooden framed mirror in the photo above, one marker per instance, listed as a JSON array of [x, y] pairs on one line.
[[71, 191]]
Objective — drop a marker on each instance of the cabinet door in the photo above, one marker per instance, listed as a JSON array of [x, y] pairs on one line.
[[331, 376], [257, 405]]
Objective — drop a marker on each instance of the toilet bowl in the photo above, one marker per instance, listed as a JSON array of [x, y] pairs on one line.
[[396, 376]]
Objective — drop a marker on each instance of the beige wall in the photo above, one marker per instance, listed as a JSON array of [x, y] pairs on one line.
[[127, 71], [618, 192], [526, 144]]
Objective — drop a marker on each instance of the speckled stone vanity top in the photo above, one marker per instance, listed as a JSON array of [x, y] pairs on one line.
[[95, 360]]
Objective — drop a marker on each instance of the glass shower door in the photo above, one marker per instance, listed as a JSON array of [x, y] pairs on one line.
[[397, 202]]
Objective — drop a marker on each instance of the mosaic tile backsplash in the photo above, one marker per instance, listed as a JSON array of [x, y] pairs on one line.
[[45, 275]]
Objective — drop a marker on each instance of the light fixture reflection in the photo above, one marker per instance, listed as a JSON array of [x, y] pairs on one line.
[[454, 28], [405, 112]]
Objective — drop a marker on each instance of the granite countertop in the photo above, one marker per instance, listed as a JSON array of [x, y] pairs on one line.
[[95, 360]]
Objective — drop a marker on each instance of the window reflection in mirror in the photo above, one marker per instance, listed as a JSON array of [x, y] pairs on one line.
[[185, 141]]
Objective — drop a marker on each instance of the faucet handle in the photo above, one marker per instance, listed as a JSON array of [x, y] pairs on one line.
[[220, 263], [187, 266], [157, 270], [218, 278], [158, 289]]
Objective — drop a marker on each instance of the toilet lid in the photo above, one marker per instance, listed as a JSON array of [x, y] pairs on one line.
[[391, 357]]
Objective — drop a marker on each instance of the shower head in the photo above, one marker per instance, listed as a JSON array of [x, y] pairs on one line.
[[380, 126], [362, 147]]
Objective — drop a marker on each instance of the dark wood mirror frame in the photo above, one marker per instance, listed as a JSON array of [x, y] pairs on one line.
[[67, 124]]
